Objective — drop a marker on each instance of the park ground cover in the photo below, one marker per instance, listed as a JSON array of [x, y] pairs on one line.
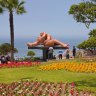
[[83, 80]]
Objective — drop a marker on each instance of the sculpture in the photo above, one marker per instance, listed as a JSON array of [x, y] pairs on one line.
[[46, 40]]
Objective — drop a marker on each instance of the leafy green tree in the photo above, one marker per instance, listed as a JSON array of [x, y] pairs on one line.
[[84, 12], [15, 50], [82, 45], [12, 6], [31, 54], [90, 43], [5, 48], [92, 33]]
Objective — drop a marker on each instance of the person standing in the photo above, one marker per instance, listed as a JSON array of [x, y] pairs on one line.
[[67, 54], [50, 53], [60, 54], [74, 51]]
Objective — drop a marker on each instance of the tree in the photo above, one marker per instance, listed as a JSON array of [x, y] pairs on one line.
[[5, 48], [84, 12], [82, 45], [92, 33], [12, 6], [31, 54], [90, 43]]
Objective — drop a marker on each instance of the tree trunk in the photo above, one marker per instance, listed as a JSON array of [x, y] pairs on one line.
[[11, 35]]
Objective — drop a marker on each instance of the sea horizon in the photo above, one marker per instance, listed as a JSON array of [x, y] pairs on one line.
[[20, 44]]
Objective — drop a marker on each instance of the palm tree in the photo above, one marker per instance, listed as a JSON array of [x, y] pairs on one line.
[[12, 6]]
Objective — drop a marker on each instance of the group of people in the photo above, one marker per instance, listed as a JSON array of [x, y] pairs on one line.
[[67, 53], [61, 53], [4, 59]]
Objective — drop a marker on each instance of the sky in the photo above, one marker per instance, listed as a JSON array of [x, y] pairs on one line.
[[50, 16]]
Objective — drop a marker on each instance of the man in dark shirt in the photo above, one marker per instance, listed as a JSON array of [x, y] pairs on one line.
[[74, 51]]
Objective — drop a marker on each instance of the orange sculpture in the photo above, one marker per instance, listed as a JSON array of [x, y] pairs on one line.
[[46, 40]]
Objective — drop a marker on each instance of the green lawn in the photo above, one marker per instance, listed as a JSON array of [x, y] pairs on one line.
[[82, 80]]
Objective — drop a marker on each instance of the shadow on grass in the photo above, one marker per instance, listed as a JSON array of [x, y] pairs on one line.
[[27, 78], [89, 84]]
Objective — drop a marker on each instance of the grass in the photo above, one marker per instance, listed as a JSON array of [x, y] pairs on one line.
[[82, 80]]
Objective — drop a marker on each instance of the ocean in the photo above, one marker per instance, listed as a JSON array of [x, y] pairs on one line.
[[20, 44]]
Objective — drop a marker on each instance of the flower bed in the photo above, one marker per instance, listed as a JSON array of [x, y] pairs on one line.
[[35, 88], [71, 66], [19, 64]]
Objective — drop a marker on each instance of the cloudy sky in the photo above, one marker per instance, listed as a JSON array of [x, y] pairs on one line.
[[50, 16]]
